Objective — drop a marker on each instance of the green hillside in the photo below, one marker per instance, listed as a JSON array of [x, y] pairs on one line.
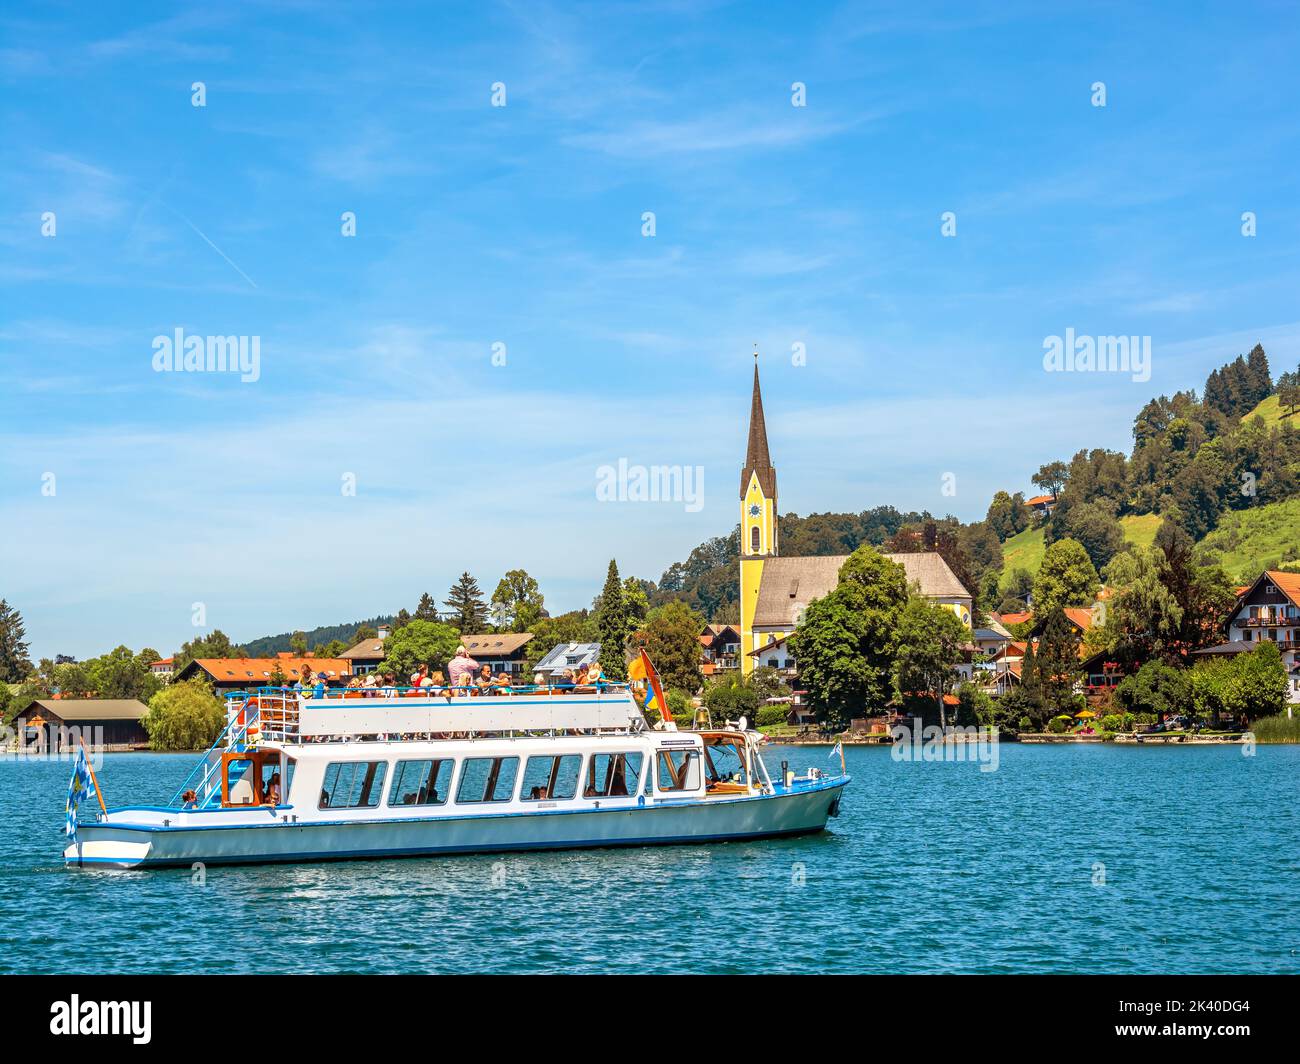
[[1140, 529], [1247, 541], [1024, 550], [1271, 411]]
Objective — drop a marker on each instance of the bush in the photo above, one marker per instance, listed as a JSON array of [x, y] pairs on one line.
[[184, 716], [769, 715], [1025, 724], [1117, 722], [1059, 725]]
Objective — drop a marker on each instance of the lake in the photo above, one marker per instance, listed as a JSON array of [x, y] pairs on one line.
[[1094, 858]]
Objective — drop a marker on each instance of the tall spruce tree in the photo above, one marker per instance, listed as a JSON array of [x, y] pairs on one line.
[[612, 625], [427, 610], [465, 600], [15, 665], [1261, 379]]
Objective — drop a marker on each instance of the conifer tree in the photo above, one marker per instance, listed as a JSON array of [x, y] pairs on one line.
[[14, 662], [427, 610], [612, 625], [465, 600]]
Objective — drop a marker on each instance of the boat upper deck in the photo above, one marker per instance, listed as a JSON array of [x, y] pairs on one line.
[[292, 716]]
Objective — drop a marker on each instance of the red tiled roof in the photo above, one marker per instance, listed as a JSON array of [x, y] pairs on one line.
[[1039, 500], [255, 670], [1015, 618]]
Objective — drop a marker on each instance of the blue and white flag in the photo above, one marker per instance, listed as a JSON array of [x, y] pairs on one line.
[[78, 787], [837, 749]]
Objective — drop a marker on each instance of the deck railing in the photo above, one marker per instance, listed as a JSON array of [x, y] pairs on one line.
[[275, 712]]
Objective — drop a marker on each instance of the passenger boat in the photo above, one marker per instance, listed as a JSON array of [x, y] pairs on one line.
[[413, 772]]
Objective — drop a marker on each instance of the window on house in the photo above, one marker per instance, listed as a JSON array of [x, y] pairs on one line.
[[353, 784], [550, 778], [487, 779], [421, 783], [678, 770], [613, 776]]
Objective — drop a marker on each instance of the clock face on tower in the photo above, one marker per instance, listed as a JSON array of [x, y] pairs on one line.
[[754, 509]]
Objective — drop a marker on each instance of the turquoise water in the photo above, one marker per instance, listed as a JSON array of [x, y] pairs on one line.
[[930, 867]]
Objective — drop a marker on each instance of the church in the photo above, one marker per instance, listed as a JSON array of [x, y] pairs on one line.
[[774, 591]]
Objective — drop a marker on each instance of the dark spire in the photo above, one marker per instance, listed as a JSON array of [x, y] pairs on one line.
[[757, 459]]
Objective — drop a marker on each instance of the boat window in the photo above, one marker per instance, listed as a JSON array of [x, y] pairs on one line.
[[614, 775], [724, 763], [421, 783], [678, 770], [487, 779], [353, 784], [549, 778]]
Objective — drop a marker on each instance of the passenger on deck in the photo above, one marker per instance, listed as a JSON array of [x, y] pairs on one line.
[[461, 666], [189, 800], [596, 675], [580, 676], [272, 796], [304, 684], [484, 681]]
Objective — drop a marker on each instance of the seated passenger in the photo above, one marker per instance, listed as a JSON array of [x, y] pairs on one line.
[[272, 795], [189, 800], [484, 680], [596, 675]]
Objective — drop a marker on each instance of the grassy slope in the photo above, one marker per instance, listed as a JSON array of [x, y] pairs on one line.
[[1250, 540], [1271, 411], [1025, 549], [1140, 529]]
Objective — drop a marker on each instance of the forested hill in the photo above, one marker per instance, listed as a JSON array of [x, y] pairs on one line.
[[273, 644]]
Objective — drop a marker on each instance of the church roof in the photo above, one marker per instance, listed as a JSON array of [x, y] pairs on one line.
[[757, 458], [788, 585]]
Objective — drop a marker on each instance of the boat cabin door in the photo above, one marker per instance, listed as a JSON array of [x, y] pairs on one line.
[[250, 777]]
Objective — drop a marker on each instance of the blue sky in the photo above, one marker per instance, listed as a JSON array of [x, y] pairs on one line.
[[522, 225]]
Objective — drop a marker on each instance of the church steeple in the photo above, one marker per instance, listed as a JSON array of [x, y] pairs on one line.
[[757, 459]]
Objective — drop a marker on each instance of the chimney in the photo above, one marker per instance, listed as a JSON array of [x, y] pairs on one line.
[[383, 632]]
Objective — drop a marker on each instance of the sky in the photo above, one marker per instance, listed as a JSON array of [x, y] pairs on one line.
[[573, 224]]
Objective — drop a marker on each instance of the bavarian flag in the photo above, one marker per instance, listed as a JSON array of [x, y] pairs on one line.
[[640, 670], [78, 787]]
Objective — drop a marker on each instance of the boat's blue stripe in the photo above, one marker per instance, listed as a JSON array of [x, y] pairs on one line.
[[673, 803], [573, 844]]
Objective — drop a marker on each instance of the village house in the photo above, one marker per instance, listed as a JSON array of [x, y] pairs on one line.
[[54, 725], [242, 674], [719, 648], [500, 651], [366, 655], [1042, 505], [162, 669], [1268, 609], [566, 656]]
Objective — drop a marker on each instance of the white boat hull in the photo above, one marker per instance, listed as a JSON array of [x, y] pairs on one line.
[[120, 843]]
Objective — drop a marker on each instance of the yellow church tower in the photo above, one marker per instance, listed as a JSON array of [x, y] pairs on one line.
[[758, 531]]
